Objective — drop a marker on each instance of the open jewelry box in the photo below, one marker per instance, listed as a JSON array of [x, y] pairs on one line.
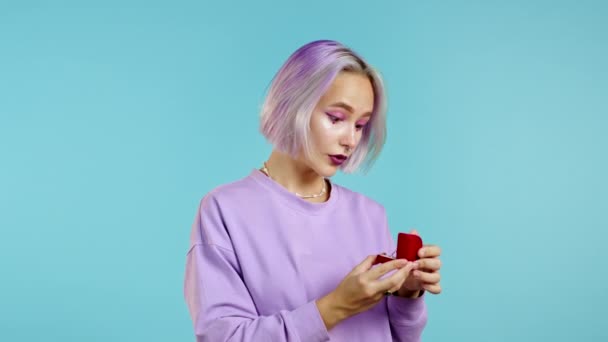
[[408, 246]]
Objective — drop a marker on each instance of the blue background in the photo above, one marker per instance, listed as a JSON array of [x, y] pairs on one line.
[[117, 117]]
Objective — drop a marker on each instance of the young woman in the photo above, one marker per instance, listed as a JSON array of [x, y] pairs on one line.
[[285, 254]]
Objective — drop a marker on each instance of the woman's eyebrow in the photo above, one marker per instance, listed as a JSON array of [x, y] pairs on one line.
[[342, 105]]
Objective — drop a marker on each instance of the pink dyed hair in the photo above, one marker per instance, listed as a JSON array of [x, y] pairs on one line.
[[297, 88]]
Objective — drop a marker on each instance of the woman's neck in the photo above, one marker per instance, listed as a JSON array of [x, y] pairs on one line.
[[296, 176]]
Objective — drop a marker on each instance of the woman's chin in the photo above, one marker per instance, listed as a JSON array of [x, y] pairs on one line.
[[328, 171]]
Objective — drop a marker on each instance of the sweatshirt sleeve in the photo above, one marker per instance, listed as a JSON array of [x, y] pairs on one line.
[[407, 316], [218, 300]]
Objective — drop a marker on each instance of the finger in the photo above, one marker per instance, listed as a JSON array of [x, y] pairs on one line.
[[384, 268], [365, 265], [432, 288], [429, 264], [395, 281], [429, 251], [427, 277], [414, 231]]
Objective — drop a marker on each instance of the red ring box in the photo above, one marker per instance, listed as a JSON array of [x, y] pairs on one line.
[[408, 246]]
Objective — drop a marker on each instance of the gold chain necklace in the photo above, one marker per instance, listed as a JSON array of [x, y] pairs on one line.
[[265, 170]]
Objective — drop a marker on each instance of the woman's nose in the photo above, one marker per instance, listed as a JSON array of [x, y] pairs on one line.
[[348, 138]]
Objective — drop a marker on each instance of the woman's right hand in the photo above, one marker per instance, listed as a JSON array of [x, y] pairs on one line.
[[362, 288]]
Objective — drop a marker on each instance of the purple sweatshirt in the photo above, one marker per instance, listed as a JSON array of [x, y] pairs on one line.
[[260, 256]]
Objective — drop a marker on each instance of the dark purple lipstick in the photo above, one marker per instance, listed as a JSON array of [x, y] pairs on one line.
[[337, 159]]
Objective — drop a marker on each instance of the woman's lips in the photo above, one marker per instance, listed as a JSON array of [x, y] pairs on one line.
[[337, 159]]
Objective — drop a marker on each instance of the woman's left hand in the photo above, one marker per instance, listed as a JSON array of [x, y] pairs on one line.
[[426, 275]]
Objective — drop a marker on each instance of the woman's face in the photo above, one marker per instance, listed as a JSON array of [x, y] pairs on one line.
[[338, 119]]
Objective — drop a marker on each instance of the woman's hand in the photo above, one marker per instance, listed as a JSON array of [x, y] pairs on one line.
[[362, 288], [426, 276]]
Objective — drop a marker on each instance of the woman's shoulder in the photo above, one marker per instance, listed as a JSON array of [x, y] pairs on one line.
[[358, 199], [224, 199], [238, 190]]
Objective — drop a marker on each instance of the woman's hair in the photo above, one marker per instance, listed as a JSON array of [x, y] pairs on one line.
[[297, 88]]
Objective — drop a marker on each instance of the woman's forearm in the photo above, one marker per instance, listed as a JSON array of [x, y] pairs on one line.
[[330, 312]]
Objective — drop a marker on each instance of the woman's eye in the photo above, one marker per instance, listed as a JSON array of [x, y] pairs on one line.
[[332, 118], [360, 126]]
